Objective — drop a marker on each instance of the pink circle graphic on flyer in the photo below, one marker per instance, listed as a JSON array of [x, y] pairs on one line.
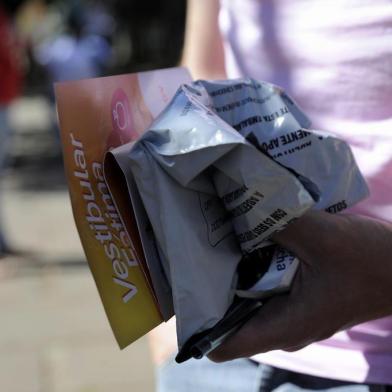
[[122, 122]]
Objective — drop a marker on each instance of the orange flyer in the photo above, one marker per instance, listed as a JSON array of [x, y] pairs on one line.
[[96, 115]]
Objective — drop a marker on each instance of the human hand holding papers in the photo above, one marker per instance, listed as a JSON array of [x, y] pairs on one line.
[[200, 192]]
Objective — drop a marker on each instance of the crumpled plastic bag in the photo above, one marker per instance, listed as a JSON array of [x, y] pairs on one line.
[[221, 169]]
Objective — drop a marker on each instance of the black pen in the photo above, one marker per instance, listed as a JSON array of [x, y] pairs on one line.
[[203, 343]]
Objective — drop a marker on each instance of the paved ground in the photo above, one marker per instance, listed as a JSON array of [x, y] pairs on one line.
[[54, 336]]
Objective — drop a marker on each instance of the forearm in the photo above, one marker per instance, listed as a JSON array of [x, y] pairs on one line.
[[203, 48]]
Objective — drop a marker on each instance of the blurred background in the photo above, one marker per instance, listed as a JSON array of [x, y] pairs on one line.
[[54, 334]]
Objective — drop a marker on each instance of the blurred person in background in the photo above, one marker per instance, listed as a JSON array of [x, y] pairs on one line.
[[11, 77], [82, 50], [77, 46], [335, 59]]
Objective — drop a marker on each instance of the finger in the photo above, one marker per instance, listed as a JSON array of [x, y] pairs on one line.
[[300, 237], [275, 326], [295, 348]]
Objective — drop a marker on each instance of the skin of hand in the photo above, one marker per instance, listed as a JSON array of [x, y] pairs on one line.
[[344, 278]]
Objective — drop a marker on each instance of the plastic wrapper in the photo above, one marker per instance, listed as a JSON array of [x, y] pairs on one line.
[[270, 119], [221, 169]]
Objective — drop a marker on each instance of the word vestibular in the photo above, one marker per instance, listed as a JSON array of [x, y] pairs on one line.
[[105, 222]]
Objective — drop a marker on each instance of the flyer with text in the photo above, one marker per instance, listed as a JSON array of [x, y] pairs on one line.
[[96, 115]]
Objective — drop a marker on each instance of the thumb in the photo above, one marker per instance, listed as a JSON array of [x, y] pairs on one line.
[[271, 328]]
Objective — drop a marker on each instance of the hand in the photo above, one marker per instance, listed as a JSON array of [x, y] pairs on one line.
[[344, 278]]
